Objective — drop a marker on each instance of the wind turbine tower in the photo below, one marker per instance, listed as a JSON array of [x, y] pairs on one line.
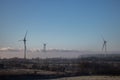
[[25, 48]]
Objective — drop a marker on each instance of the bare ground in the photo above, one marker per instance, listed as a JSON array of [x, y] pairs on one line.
[[91, 78], [40, 73]]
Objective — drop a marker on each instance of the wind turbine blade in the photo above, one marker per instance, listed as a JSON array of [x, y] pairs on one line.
[[103, 38], [25, 35], [20, 40], [103, 46]]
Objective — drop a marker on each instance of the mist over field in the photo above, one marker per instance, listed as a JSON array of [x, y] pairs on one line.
[[54, 53]]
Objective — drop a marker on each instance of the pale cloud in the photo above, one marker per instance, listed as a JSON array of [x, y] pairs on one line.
[[34, 50], [9, 49]]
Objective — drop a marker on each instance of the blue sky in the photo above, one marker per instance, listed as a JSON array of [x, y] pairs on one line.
[[62, 24]]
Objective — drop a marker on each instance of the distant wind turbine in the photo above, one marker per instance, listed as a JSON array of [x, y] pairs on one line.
[[24, 40], [44, 47], [104, 46]]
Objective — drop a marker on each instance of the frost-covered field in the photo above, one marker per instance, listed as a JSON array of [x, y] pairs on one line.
[[91, 78]]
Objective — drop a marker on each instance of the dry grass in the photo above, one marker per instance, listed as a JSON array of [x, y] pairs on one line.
[[31, 71], [91, 78], [24, 71]]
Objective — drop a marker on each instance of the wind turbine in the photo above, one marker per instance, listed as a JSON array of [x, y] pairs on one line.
[[104, 47], [25, 48], [44, 47]]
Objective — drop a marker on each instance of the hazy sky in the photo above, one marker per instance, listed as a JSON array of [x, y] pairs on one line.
[[62, 24]]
